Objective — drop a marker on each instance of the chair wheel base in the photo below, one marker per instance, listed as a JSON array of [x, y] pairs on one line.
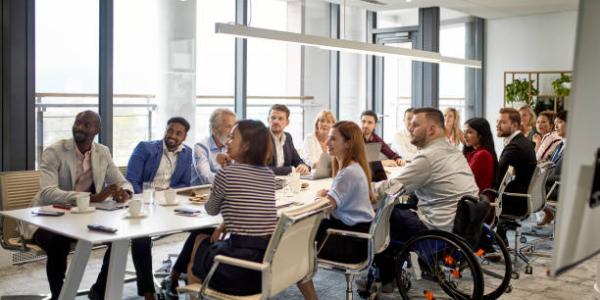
[[514, 275], [528, 270]]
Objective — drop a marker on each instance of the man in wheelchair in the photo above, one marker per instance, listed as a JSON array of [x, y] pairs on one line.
[[439, 176]]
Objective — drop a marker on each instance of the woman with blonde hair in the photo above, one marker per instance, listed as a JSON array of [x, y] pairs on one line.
[[315, 142], [454, 134], [350, 196], [528, 118]]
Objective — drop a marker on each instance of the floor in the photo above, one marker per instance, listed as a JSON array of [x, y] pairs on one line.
[[575, 284]]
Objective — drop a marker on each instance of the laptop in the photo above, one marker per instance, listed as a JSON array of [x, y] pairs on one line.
[[377, 170], [322, 169], [373, 150]]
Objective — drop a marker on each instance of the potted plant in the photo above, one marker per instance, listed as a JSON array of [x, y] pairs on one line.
[[562, 85], [518, 91]]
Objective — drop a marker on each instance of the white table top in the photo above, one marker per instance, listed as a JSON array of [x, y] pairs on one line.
[[159, 220]]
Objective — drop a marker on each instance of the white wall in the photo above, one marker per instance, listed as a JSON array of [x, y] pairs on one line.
[[532, 43]]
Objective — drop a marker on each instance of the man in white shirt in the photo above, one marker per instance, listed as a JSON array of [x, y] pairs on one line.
[[402, 144], [205, 164], [439, 176]]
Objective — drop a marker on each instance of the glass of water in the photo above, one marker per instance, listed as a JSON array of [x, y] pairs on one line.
[[148, 192]]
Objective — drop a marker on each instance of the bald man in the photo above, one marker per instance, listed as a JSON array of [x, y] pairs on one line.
[[79, 167]]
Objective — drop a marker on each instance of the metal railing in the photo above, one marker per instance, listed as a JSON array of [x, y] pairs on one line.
[[140, 105]]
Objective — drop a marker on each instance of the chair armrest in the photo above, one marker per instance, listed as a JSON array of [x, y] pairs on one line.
[[517, 195], [242, 263], [355, 234], [492, 191]]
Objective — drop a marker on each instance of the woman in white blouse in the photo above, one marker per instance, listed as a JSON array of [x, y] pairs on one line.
[[315, 142]]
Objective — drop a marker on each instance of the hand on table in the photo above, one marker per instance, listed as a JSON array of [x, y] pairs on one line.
[[121, 195], [322, 193], [400, 162], [105, 193], [302, 169]]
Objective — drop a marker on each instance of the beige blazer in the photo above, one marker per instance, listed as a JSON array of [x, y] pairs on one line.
[[58, 174]]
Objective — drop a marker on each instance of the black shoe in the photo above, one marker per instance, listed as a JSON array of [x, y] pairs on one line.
[[170, 287]]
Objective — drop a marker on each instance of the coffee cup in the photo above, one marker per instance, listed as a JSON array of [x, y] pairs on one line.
[[83, 203], [135, 207], [170, 197]]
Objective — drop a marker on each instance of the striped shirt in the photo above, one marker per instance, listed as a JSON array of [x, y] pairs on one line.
[[245, 196]]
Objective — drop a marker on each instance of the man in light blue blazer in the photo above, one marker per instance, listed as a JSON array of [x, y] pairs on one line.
[[165, 162]]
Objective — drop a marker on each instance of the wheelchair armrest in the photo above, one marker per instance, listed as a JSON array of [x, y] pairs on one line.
[[355, 234], [517, 195], [242, 263], [491, 191]]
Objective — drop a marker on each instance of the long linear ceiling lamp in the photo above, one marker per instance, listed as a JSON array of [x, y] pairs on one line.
[[327, 43]]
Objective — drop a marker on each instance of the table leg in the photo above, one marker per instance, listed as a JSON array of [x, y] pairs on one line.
[[116, 269], [76, 269]]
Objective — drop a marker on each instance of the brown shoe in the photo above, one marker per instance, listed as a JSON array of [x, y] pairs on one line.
[[548, 218]]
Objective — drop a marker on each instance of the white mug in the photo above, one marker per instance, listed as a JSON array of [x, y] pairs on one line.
[[135, 207], [83, 203], [170, 197]]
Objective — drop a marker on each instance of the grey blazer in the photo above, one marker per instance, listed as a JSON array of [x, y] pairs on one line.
[[58, 174]]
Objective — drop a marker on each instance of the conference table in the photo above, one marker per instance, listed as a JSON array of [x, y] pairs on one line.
[[159, 220]]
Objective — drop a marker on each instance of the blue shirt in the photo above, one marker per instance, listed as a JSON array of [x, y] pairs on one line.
[[350, 190], [205, 165]]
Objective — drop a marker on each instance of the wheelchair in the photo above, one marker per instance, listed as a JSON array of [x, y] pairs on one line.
[[466, 264]]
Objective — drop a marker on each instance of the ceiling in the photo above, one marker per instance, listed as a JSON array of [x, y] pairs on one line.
[[487, 9]]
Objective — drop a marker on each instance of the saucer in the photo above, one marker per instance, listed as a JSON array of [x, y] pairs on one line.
[[141, 215], [168, 204], [75, 210]]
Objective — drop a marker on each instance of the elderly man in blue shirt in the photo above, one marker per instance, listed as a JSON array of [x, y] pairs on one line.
[[205, 164]]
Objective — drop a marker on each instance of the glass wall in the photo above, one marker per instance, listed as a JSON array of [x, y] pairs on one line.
[[66, 66], [397, 91], [274, 68], [353, 73], [135, 75], [215, 62], [452, 77]]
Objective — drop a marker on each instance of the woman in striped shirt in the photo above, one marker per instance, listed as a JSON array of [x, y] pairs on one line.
[[350, 196], [244, 194]]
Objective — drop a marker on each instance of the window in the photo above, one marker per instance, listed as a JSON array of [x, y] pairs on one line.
[[352, 85], [66, 40], [135, 75], [397, 91], [274, 68], [452, 77], [215, 63]]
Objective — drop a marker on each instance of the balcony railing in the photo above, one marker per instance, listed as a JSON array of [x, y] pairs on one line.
[[60, 108]]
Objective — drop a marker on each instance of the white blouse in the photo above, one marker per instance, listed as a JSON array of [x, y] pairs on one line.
[[311, 149]]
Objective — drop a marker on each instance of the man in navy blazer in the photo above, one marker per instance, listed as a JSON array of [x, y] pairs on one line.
[[285, 155], [166, 162]]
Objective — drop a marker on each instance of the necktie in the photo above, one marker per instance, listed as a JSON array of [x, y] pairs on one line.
[[556, 155]]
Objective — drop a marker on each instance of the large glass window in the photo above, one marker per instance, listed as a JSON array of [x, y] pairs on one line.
[[274, 68], [215, 59], [452, 77], [397, 91], [66, 41], [135, 75], [352, 84]]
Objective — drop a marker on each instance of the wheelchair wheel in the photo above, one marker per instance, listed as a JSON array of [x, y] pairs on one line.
[[496, 265], [438, 265]]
